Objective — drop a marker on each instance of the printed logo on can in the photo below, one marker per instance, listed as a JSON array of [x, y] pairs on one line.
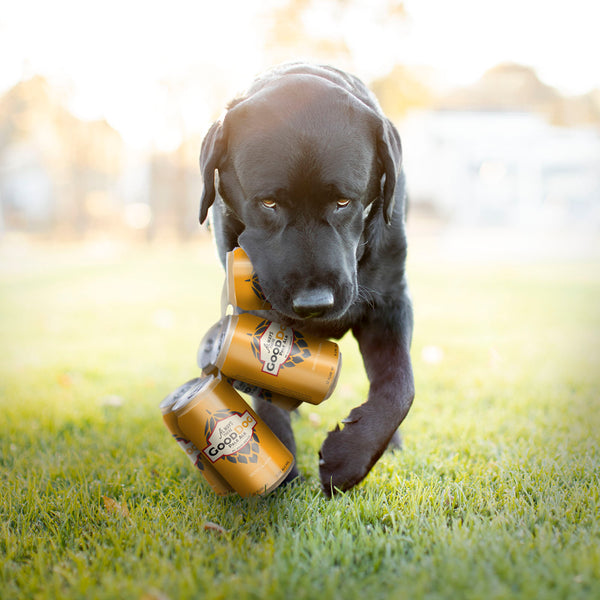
[[275, 346], [231, 435]]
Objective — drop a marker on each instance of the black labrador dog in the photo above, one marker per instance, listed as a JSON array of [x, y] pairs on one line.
[[304, 173]]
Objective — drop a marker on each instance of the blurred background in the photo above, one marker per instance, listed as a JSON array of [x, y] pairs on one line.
[[103, 107]]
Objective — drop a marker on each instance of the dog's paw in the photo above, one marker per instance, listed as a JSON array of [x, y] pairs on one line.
[[348, 454]]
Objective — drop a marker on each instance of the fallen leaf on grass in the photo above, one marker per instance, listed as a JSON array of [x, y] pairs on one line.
[[208, 526], [116, 508]]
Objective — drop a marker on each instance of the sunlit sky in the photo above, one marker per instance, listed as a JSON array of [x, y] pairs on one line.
[[114, 58]]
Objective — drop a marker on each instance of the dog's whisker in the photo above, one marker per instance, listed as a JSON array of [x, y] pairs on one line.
[[367, 295]]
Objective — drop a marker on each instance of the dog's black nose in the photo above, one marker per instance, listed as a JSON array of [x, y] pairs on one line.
[[313, 303]]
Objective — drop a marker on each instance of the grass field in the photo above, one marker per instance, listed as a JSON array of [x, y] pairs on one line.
[[496, 494]]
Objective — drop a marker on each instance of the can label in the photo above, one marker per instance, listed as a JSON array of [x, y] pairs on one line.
[[277, 346], [229, 433]]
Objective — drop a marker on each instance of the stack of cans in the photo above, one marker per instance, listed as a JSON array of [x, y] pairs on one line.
[[225, 439]]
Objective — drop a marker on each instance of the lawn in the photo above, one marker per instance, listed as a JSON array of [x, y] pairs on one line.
[[495, 495]]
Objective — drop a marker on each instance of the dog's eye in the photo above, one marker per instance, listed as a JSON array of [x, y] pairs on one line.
[[342, 202], [269, 203]]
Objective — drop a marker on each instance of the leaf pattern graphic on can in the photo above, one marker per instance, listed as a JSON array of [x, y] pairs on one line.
[[255, 335], [212, 420], [256, 289], [249, 453], [300, 351]]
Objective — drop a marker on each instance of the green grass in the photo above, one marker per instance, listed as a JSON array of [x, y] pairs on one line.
[[496, 494]]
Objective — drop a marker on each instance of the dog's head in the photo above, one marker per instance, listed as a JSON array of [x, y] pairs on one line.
[[302, 164]]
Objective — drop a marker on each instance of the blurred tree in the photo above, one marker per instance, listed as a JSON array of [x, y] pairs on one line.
[[400, 91], [289, 37], [507, 86], [292, 33], [581, 110], [515, 87], [53, 166]]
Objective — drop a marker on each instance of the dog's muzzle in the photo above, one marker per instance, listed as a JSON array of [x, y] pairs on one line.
[[310, 304]]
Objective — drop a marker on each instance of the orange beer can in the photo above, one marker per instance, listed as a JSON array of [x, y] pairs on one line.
[[238, 444], [216, 481], [277, 358], [207, 354], [242, 288]]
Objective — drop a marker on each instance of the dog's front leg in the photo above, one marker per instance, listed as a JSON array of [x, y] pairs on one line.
[[384, 339]]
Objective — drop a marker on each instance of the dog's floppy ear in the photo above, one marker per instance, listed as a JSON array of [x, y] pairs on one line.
[[389, 149], [213, 148]]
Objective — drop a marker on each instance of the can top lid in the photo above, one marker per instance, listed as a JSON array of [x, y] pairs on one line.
[[203, 385], [166, 405], [211, 344]]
